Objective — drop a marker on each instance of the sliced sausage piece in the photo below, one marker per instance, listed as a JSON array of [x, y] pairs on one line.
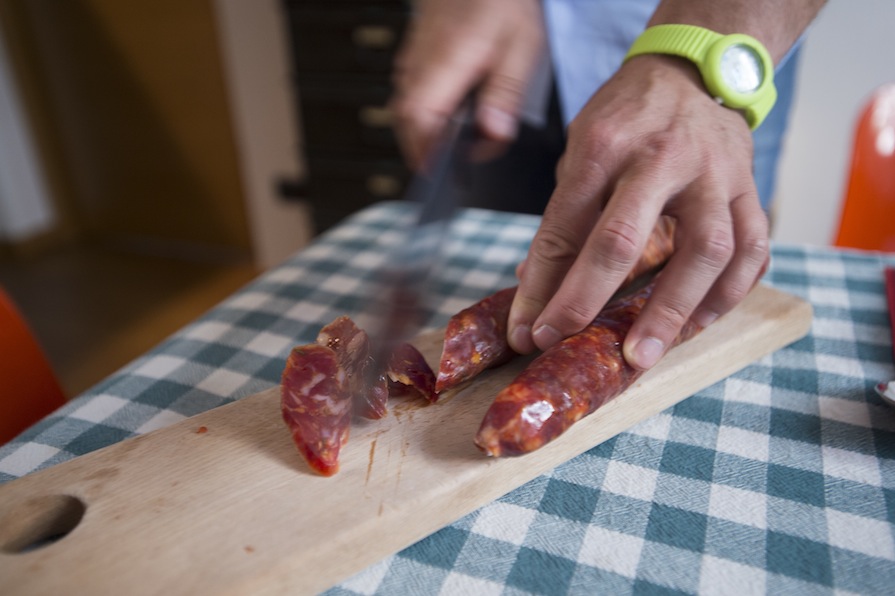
[[315, 401], [366, 379], [408, 372]]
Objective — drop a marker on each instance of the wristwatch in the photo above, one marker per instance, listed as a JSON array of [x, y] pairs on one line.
[[736, 69]]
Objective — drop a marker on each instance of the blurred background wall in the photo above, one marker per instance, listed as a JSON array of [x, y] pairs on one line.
[[174, 121], [849, 52], [134, 120], [146, 147]]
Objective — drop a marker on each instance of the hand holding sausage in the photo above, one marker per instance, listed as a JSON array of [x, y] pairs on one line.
[[650, 142]]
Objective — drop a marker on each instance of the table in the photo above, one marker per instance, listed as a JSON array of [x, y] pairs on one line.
[[780, 478]]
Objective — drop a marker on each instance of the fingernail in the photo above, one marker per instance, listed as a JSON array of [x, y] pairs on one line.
[[545, 336], [704, 317], [647, 352], [520, 339], [498, 123]]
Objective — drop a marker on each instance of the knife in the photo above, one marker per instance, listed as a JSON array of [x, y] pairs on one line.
[[435, 193]]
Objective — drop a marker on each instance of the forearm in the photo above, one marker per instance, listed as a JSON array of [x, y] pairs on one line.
[[775, 23]]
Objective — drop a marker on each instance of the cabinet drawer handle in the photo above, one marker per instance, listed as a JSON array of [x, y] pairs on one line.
[[383, 185], [373, 37], [375, 116]]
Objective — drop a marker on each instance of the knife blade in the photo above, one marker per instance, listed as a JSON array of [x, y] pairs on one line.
[[435, 194]]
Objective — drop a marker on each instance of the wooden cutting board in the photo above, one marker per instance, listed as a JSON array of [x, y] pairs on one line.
[[222, 503]]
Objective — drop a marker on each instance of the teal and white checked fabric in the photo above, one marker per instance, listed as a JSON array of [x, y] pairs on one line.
[[779, 479]]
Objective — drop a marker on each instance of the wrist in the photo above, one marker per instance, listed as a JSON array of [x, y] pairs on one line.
[[675, 79], [735, 69]]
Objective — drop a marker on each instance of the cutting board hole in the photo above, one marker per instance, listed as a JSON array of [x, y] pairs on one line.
[[39, 522]]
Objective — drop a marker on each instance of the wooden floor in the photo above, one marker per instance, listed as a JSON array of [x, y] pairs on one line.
[[96, 309]]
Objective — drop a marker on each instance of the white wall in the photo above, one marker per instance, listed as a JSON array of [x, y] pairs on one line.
[[25, 209], [253, 39], [849, 51]]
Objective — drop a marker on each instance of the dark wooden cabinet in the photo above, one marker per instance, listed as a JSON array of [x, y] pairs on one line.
[[342, 54]]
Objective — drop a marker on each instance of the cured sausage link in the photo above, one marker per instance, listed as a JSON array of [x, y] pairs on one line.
[[566, 383], [658, 249], [476, 337]]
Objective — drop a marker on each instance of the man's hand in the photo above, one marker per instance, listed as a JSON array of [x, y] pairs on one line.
[[453, 47], [650, 141]]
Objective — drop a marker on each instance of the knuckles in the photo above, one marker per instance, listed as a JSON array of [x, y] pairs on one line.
[[756, 246], [403, 110], [669, 314], [554, 246], [618, 243], [575, 315], [506, 89], [714, 247]]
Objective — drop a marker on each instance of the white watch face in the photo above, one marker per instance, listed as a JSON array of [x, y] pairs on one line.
[[741, 69]]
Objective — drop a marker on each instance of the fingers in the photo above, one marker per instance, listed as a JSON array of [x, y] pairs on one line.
[[498, 103], [520, 269], [502, 93], [748, 264], [455, 47], [720, 257], [581, 255], [649, 142], [608, 255], [568, 219], [583, 252], [427, 94], [704, 247]]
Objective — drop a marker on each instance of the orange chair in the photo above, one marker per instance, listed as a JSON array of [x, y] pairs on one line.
[[867, 220], [29, 389]]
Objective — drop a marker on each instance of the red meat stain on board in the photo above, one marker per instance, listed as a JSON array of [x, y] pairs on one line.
[[370, 464]]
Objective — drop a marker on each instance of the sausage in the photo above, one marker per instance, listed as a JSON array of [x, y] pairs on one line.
[[408, 372], [476, 337], [659, 248], [566, 382], [366, 379], [315, 401], [325, 383]]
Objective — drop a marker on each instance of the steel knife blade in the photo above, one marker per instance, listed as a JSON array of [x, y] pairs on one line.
[[435, 194]]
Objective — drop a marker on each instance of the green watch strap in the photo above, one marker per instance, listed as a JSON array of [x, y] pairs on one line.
[[706, 48], [686, 41]]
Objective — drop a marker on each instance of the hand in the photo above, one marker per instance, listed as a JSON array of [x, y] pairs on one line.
[[650, 141], [454, 46]]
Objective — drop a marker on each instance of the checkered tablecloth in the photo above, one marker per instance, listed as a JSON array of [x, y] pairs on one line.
[[779, 479]]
